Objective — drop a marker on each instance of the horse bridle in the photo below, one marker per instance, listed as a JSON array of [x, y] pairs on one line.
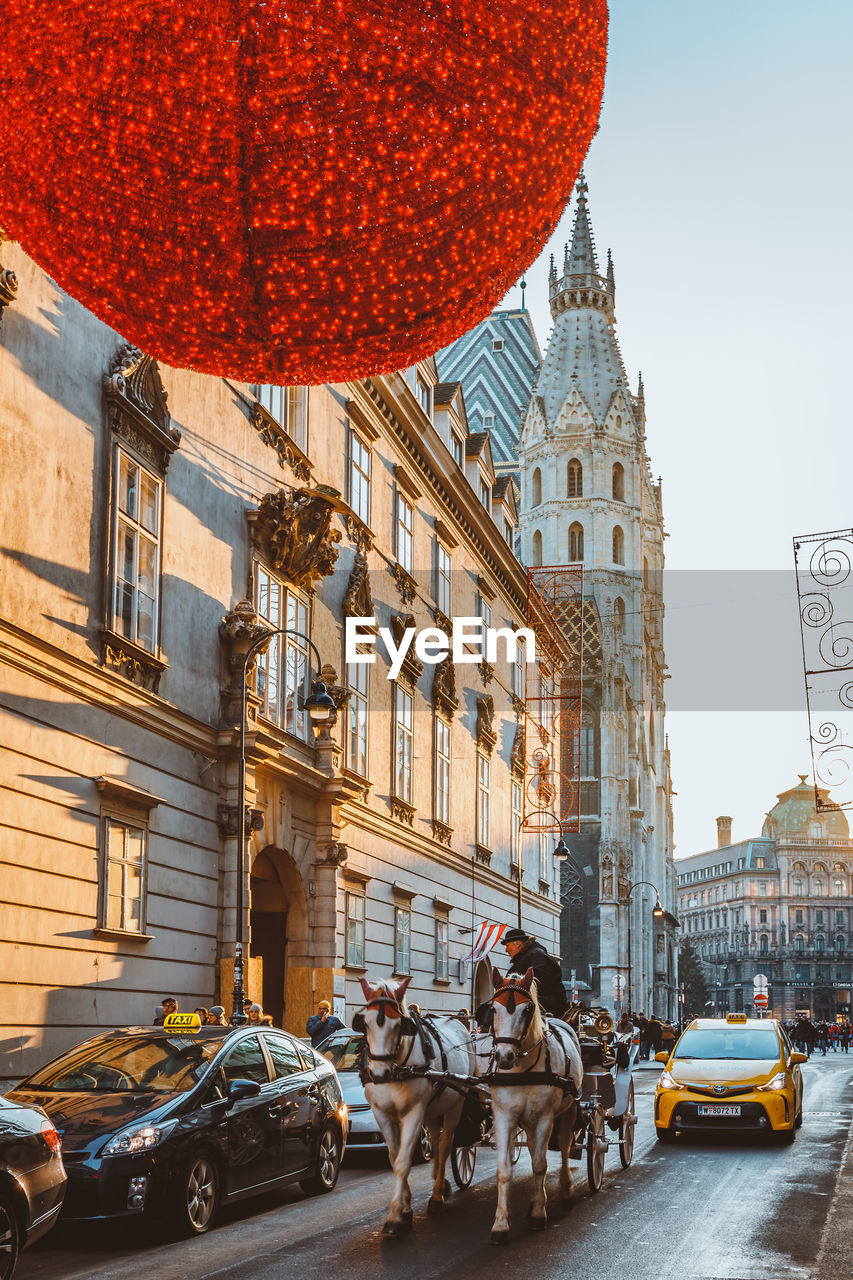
[[515, 1041], [407, 1028]]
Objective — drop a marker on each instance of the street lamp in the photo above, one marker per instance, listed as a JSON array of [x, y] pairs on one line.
[[657, 913], [320, 707], [561, 853]]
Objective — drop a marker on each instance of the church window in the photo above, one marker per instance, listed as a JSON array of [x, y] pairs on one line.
[[618, 546], [574, 480], [587, 744], [575, 543], [536, 487], [619, 422], [619, 614], [618, 482], [537, 548], [497, 344], [488, 420]]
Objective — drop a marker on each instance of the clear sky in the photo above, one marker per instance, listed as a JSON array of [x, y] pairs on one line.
[[721, 179]]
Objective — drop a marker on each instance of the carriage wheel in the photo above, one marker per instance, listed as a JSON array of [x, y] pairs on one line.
[[596, 1150], [518, 1145], [626, 1131], [462, 1162]]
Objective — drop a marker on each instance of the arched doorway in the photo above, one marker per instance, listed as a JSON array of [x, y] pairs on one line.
[[278, 920]]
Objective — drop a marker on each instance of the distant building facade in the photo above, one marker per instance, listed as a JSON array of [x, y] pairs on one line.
[[780, 905], [153, 521], [588, 497]]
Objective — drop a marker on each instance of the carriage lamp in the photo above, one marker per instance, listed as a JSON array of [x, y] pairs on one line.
[[561, 853], [657, 909]]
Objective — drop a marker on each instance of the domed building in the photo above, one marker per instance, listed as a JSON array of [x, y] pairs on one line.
[[780, 905]]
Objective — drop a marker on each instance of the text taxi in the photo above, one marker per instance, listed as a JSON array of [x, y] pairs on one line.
[[740, 1073]]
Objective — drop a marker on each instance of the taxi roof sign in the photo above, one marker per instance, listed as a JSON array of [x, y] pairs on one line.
[[736, 1017], [188, 1022]]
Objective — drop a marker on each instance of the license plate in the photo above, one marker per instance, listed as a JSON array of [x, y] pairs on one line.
[[715, 1109]]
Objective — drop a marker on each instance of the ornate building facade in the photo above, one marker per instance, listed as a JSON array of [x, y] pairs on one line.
[[587, 496], [154, 520], [780, 905]]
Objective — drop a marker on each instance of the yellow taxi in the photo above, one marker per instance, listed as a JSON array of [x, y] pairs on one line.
[[736, 1073]]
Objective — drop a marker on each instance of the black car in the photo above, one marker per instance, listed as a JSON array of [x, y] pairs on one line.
[[173, 1125], [32, 1179]]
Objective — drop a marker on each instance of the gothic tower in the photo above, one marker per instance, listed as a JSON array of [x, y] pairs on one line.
[[587, 494]]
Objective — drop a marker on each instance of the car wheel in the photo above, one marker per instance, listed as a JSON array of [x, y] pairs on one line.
[[786, 1136], [328, 1164], [798, 1119], [423, 1147], [199, 1195], [664, 1135], [10, 1236]]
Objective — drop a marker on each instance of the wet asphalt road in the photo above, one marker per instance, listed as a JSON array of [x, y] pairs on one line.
[[719, 1208]]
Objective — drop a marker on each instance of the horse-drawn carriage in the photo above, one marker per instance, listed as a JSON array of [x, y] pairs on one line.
[[607, 1103], [558, 1083]]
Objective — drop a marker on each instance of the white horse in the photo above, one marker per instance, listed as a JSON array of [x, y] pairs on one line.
[[523, 1042], [402, 1099]]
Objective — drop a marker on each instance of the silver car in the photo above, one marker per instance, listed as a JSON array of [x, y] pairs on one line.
[[343, 1050]]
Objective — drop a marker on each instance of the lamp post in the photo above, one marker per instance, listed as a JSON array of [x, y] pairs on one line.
[[320, 707], [657, 913], [561, 853]]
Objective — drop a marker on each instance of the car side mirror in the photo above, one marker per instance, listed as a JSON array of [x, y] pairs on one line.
[[240, 1089], [796, 1058], [662, 1057]]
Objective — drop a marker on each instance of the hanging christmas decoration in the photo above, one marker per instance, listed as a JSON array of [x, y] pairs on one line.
[[293, 192]]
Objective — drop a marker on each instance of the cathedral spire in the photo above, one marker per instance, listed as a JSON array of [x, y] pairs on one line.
[[581, 259]]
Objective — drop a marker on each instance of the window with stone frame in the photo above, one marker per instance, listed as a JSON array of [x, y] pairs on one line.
[[618, 545], [355, 929], [588, 752], [137, 519], [288, 406], [358, 683], [405, 526], [618, 482], [516, 819], [123, 857], [483, 801], [404, 704], [283, 672], [402, 939], [442, 771], [574, 479], [359, 476], [443, 581], [576, 543], [442, 949], [536, 558], [424, 394], [536, 488]]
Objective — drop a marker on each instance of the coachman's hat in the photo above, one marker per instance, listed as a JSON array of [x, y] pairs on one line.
[[515, 935]]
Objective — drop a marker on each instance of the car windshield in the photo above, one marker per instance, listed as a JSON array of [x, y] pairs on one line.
[[138, 1064], [728, 1043], [344, 1053]]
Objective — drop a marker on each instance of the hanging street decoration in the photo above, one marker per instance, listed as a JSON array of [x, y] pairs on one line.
[[293, 192]]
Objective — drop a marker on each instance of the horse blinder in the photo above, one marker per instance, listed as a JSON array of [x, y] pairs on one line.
[[358, 1023]]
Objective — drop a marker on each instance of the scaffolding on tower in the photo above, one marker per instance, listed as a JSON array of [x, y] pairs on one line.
[[553, 693]]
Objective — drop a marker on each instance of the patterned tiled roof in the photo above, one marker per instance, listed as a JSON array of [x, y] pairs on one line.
[[496, 382]]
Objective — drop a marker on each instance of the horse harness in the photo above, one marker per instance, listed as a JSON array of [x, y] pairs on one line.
[[485, 1017], [413, 1026]]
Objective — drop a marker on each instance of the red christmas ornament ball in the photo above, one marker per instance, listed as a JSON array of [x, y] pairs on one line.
[[293, 193]]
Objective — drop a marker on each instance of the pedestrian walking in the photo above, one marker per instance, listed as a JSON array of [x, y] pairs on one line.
[[653, 1034], [168, 1004], [643, 1029], [322, 1023], [625, 1026], [526, 953], [668, 1036]]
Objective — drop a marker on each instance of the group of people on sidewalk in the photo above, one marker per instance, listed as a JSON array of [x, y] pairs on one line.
[[819, 1037], [212, 1017]]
